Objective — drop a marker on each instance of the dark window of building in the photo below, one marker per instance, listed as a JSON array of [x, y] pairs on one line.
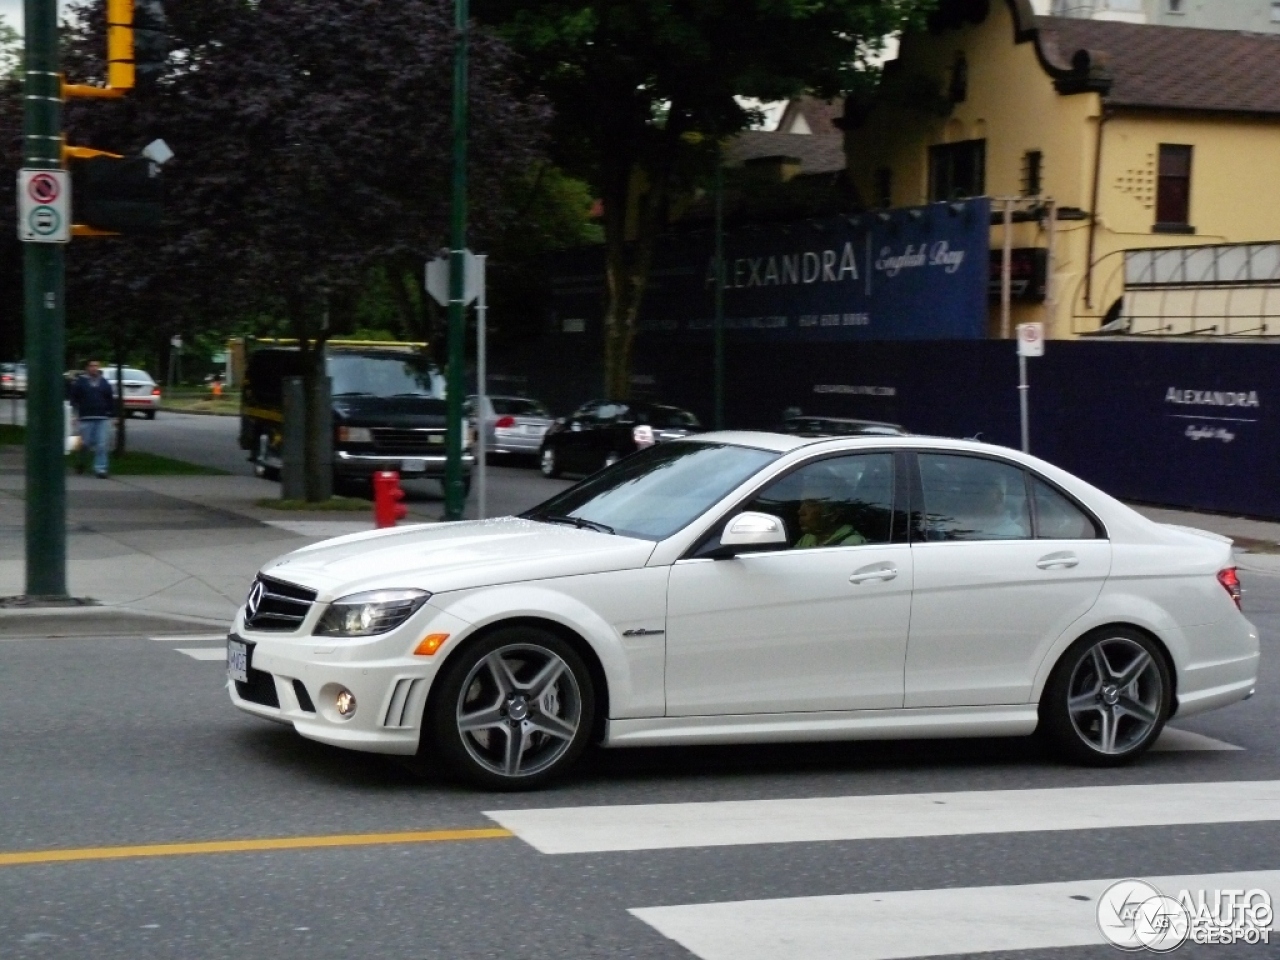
[[1173, 187], [957, 170], [1174, 6], [884, 187], [1031, 162], [958, 89]]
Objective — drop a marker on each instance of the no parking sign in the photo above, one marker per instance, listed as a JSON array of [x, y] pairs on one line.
[[44, 206], [1031, 339]]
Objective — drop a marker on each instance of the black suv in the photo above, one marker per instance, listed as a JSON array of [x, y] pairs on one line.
[[388, 412], [601, 432]]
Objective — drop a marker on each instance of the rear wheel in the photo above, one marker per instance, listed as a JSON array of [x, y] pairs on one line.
[[512, 711], [550, 463], [1108, 698], [151, 414]]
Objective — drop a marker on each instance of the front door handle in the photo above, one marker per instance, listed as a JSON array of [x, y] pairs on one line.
[[1055, 561], [882, 572]]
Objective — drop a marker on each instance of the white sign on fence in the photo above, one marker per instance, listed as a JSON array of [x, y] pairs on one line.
[[1031, 339]]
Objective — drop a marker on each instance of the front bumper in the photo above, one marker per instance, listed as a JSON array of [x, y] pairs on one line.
[[346, 463], [390, 684]]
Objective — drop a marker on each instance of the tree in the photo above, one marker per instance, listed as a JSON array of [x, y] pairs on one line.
[[10, 51], [643, 89], [311, 142]]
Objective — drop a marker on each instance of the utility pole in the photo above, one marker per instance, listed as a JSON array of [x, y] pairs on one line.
[[719, 301], [454, 495], [45, 318]]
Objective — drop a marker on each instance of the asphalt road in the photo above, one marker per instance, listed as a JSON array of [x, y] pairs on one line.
[[125, 741], [514, 484]]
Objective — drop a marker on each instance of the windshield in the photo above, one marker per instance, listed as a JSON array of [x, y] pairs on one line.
[[670, 418], [658, 491], [518, 407], [389, 376]]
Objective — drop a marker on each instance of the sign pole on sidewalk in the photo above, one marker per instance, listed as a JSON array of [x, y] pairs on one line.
[[45, 311], [482, 389], [1030, 344], [454, 495]]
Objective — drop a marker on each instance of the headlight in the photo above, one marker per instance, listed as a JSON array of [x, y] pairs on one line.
[[355, 434], [370, 613]]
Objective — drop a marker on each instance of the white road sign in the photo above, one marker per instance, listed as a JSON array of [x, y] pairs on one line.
[[438, 279], [44, 206], [1031, 339]]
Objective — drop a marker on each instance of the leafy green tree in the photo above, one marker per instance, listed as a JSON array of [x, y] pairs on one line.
[[643, 90], [10, 50]]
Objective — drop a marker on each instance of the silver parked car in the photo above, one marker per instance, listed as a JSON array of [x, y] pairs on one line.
[[13, 379], [511, 424], [138, 390]]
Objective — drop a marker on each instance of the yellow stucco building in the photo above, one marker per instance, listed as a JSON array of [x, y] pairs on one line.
[[1141, 136]]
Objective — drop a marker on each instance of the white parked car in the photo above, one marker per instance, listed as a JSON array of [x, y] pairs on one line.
[[139, 390], [751, 587]]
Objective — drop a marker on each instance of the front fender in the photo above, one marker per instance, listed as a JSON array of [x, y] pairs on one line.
[[598, 608]]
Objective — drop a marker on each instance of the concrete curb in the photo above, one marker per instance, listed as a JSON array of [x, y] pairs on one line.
[[197, 413]]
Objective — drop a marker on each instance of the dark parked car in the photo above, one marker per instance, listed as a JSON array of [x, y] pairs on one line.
[[803, 426], [388, 412], [601, 432]]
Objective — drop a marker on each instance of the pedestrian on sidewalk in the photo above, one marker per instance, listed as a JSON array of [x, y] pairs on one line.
[[94, 404]]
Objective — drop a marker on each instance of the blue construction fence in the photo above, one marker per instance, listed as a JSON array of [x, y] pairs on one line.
[[1193, 425]]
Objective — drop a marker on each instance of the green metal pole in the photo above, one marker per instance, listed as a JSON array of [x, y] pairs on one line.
[[46, 492], [454, 494], [719, 314]]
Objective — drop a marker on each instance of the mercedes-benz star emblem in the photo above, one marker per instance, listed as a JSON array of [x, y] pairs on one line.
[[255, 599]]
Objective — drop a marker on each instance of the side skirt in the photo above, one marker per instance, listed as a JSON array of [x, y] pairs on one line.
[[1017, 720]]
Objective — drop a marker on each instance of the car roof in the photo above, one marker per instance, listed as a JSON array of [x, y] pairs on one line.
[[787, 442]]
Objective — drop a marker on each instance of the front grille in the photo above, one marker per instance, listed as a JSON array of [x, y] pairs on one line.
[[260, 689], [417, 440], [283, 605]]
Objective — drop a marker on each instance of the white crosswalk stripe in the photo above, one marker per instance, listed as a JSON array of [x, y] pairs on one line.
[[913, 923], [739, 822]]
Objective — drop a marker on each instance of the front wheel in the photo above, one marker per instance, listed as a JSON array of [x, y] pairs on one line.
[[550, 463], [512, 711], [1108, 698]]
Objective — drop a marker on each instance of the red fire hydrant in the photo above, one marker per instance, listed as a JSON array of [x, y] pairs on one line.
[[387, 508]]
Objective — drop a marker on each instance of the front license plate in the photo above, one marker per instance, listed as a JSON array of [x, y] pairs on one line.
[[413, 466], [238, 661]]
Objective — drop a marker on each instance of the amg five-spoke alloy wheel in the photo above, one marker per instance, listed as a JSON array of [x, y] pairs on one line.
[[513, 710], [1108, 697]]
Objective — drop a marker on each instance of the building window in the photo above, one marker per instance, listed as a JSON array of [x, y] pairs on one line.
[[884, 187], [1031, 163], [1275, 11], [957, 170], [1174, 6], [1173, 189]]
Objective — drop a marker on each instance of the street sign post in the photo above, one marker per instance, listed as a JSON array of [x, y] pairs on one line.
[[439, 285], [1030, 344], [44, 206]]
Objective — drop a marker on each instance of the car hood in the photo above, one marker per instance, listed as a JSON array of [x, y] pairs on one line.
[[439, 557]]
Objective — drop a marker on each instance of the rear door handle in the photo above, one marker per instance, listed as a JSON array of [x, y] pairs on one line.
[[884, 572], [1056, 561]]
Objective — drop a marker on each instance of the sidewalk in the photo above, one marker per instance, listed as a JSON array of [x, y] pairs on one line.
[[185, 549]]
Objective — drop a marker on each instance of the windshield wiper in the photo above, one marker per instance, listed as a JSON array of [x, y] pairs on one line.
[[574, 522]]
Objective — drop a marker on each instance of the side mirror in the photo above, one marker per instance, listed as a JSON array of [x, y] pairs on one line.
[[752, 531]]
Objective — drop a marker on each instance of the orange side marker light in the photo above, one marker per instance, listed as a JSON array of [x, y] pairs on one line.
[[430, 644]]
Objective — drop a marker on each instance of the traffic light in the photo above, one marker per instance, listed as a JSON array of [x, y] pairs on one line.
[[116, 194], [137, 42]]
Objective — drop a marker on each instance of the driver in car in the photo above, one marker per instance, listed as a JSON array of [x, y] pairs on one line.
[[821, 524]]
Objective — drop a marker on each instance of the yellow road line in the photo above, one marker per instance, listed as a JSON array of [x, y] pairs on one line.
[[247, 846]]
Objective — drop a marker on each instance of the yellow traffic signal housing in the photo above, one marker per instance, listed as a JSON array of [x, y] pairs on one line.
[[121, 71]]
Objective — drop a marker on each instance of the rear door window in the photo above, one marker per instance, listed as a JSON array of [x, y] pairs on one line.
[[1058, 518], [973, 498]]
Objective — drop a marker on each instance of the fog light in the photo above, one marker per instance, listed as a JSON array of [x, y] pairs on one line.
[[345, 702]]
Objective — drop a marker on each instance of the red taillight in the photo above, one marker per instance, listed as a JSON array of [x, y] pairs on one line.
[[503, 422], [1231, 583], [155, 391]]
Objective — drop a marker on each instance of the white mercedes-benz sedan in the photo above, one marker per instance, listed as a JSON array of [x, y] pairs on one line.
[[751, 587]]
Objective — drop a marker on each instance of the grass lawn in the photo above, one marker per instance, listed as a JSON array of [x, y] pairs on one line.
[[131, 464], [200, 400]]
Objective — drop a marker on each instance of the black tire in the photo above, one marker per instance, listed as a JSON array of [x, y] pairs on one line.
[[549, 463], [1108, 698], [512, 746], [151, 414]]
